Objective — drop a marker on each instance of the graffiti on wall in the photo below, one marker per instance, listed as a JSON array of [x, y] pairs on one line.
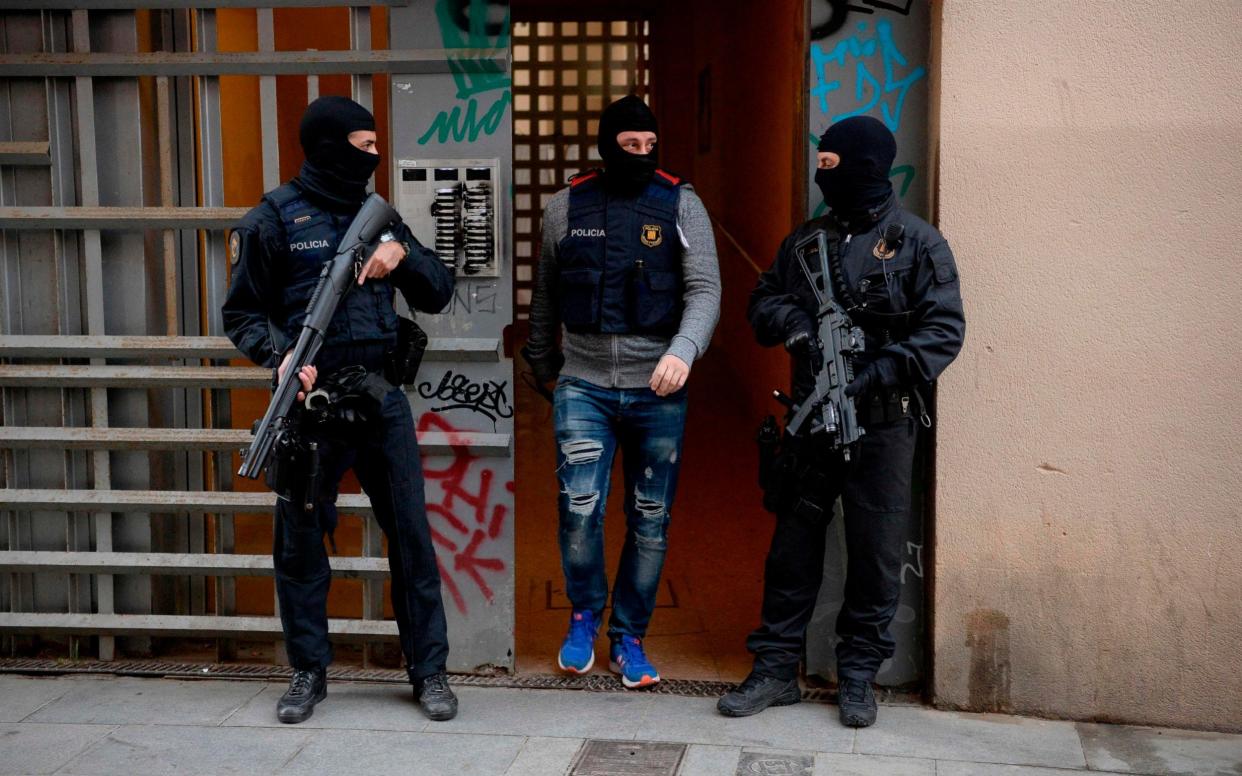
[[467, 510], [871, 63], [471, 25], [839, 10], [457, 391]]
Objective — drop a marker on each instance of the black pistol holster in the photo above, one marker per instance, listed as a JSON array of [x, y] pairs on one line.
[[402, 362], [294, 473], [792, 481]]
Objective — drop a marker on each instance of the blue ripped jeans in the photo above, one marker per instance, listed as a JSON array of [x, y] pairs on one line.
[[591, 423]]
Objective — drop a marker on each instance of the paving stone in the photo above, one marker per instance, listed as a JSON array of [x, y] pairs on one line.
[[36, 749], [348, 706], [546, 713], [706, 760], [24, 695], [950, 768], [544, 757], [767, 762], [985, 738], [873, 765], [1161, 751], [425, 754], [162, 749], [132, 701], [804, 727]]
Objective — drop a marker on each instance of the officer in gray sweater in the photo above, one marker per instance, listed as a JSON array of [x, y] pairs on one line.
[[628, 269]]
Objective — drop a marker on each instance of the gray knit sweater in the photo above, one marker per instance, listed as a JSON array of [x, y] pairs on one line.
[[627, 360]]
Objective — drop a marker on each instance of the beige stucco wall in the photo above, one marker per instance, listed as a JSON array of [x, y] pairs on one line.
[[1088, 558]]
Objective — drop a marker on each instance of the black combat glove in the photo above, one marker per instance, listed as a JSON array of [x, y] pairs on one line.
[[880, 373], [803, 344]]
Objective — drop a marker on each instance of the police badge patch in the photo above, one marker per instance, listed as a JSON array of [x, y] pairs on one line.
[[652, 235], [234, 247]]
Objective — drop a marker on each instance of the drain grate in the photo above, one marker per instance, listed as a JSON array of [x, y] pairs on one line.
[[691, 688], [598, 757]]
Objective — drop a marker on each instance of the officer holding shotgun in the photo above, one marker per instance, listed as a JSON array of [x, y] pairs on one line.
[[894, 276], [277, 253]]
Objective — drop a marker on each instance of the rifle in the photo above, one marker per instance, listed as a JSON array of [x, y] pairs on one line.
[[335, 281], [827, 409]]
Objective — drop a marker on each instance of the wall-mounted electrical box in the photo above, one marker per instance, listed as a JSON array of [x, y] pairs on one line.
[[451, 206]]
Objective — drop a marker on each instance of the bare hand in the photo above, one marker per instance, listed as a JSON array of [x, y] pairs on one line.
[[669, 375], [385, 259], [307, 375]]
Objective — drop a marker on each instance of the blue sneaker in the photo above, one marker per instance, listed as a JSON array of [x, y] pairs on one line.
[[577, 654], [629, 660]]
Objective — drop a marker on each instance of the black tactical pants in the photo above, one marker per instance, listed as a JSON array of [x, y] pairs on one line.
[[875, 492], [383, 453]]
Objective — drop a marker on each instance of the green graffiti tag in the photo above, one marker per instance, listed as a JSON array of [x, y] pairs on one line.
[[468, 27], [468, 126]]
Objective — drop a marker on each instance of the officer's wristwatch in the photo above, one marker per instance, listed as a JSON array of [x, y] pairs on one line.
[[390, 237]]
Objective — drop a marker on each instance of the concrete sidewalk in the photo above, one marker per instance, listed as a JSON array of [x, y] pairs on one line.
[[117, 725]]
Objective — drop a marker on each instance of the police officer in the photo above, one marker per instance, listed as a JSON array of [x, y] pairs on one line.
[[277, 252], [904, 294], [628, 268]]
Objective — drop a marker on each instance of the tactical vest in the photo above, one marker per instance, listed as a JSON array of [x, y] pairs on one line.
[[620, 260], [311, 238]]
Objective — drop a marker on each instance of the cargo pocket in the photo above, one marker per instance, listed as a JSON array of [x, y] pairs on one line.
[[578, 290], [655, 299]]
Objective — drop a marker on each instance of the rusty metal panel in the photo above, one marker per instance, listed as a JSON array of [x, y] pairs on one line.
[[451, 148], [182, 625], [29, 153], [87, 438], [148, 501], [114, 65], [134, 377], [176, 563], [144, 347], [871, 58]]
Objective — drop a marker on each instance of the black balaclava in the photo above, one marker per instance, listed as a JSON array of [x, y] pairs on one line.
[[335, 170], [860, 182], [624, 172]]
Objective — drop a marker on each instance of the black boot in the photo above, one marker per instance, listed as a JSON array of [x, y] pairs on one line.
[[757, 693], [306, 688], [437, 699], [856, 698]]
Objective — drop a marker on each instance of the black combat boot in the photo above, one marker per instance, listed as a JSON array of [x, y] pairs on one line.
[[856, 698], [306, 688], [437, 699], [757, 693]]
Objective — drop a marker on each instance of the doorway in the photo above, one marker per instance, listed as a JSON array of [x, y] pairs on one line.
[[709, 91]]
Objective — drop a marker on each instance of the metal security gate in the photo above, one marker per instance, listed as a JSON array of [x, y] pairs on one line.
[[116, 513], [870, 57]]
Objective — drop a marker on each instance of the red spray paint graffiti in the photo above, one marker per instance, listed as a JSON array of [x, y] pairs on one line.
[[464, 522]]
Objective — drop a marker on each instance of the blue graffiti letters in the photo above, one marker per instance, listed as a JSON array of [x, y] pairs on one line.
[[833, 66]]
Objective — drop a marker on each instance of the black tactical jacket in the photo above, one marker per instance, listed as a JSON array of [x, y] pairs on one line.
[[909, 306], [273, 279]]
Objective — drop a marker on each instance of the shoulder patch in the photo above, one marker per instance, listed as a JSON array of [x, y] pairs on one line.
[[235, 239], [583, 177]]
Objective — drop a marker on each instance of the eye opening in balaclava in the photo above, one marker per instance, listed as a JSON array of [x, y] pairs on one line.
[[335, 168], [623, 171], [860, 181]]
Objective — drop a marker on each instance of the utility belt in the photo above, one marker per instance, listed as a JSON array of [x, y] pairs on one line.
[[888, 405], [792, 470], [341, 404]]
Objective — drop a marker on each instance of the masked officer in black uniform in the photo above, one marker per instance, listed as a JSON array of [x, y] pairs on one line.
[[277, 252], [905, 296]]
